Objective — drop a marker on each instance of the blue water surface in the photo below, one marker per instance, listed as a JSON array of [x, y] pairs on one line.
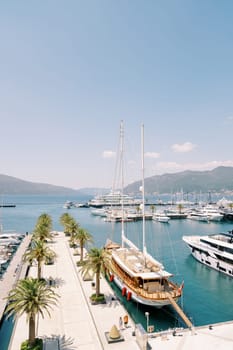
[[207, 296]]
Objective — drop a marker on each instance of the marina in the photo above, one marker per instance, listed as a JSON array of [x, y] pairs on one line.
[[82, 325], [116, 241], [200, 282]]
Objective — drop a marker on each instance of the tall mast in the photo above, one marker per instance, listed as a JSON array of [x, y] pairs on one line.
[[143, 191], [122, 180]]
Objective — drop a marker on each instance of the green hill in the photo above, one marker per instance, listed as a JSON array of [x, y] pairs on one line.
[[12, 185], [218, 179]]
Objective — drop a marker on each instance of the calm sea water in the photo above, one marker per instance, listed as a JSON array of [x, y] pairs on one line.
[[207, 294]]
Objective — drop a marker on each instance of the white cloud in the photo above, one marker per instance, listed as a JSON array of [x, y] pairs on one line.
[[152, 155], [183, 148], [108, 154]]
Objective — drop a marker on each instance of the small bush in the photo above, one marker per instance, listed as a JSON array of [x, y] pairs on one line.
[[98, 299], [38, 345]]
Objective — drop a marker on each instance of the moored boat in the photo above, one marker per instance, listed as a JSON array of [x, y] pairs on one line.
[[215, 251], [198, 216], [227, 214], [175, 213], [212, 212], [160, 217], [141, 277], [10, 239], [68, 205], [112, 199], [99, 212]]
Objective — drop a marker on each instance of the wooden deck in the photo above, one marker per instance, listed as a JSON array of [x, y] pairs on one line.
[[136, 262], [158, 294]]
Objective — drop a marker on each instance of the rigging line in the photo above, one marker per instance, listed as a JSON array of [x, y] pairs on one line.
[[173, 314], [172, 251], [112, 231], [118, 162]]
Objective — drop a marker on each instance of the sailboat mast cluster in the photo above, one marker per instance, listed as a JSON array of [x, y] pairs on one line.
[[140, 277]]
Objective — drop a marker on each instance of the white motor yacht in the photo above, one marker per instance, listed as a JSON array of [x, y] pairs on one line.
[[212, 213], [198, 216], [215, 251], [160, 217]]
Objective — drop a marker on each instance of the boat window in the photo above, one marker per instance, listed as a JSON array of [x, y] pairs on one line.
[[220, 248], [222, 269], [228, 261]]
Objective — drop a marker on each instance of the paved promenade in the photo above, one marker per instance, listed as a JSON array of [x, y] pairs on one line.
[[79, 325], [215, 337]]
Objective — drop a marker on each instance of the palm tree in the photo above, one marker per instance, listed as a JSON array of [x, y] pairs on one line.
[[152, 208], [180, 207], [73, 228], [43, 227], [83, 237], [96, 261], [40, 252], [32, 297], [69, 224], [42, 233], [45, 219], [138, 209]]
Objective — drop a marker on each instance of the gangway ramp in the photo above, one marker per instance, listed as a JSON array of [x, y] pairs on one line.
[[180, 312]]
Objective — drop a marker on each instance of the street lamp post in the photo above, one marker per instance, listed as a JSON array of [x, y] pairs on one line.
[[147, 320]]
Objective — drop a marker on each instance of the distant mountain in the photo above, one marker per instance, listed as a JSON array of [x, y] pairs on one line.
[[218, 179], [93, 191], [12, 185]]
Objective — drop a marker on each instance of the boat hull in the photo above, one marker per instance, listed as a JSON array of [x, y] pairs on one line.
[[208, 258], [212, 263], [202, 218], [137, 298], [164, 219]]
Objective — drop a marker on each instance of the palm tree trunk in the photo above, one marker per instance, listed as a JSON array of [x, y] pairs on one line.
[[97, 284], [32, 329], [39, 270], [81, 252]]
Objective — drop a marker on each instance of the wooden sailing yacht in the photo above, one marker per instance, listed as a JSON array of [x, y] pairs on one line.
[[141, 278]]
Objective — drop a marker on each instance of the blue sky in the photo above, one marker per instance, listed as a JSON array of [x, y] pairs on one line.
[[72, 70]]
